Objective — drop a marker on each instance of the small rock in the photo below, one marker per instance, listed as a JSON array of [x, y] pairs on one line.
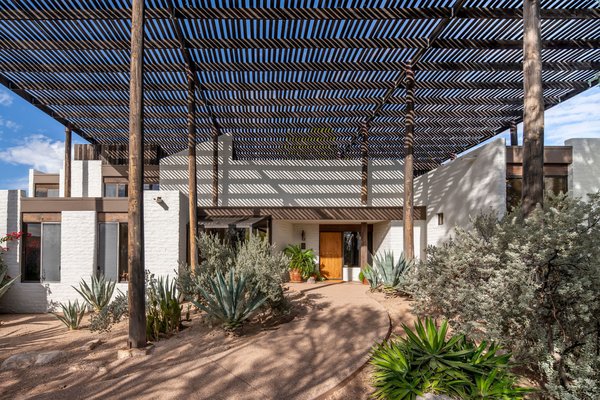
[[48, 357], [431, 396], [311, 280], [129, 353], [91, 345], [19, 361]]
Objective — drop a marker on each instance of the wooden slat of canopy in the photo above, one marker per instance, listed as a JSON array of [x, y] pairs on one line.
[[295, 81]]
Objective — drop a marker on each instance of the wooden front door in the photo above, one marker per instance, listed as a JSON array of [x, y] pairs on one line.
[[330, 254]]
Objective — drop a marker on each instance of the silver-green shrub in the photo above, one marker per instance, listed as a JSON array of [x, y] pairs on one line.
[[264, 268], [531, 284]]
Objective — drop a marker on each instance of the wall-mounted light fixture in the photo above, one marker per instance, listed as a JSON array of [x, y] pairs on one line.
[[159, 200], [303, 236]]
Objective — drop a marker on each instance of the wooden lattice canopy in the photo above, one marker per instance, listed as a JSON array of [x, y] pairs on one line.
[[296, 78]]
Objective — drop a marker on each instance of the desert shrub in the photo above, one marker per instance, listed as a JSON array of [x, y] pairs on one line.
[[531, 284], [111, 314], [97, 295], [163, 311], [5, 281], [264, 268], [217, 255], [230, 300], [426, 362], [72, 314], [386, 273]]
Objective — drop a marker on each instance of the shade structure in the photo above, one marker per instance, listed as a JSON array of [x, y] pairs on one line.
[[297, 79]]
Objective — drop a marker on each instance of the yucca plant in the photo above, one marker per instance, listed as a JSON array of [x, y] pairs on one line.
[[97, 295], [163, 311], [72, 314], [426, 362], [229, 301], [5, 282], [386, 271]]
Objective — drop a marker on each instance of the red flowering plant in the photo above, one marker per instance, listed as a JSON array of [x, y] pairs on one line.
[[5, 280]]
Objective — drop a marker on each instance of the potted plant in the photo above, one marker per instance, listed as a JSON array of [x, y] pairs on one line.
[[302, 262]]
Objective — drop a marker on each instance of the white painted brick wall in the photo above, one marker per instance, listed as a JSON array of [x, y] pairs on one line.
[[584, 172], [86, 178], [30, 188], [165, 246], [283, 234]]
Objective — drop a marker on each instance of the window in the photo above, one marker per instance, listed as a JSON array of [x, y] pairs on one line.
[[112, 251], [46, 190], [440, 218], [115, 190], [151, 186], [514, 188], [41, 252]]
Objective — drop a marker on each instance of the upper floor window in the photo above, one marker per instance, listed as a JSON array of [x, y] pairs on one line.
[[151, 186], [115, 190], [46, 190]]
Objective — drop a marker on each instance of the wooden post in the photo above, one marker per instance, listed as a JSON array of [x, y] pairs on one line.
[[67, 172], [364, 243], [215, 171], [514, 139], [364, 149], [408, 223], [533, 109], [192, 179], [135, 258]]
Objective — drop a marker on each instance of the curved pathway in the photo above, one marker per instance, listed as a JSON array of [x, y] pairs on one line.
[[303, 359]]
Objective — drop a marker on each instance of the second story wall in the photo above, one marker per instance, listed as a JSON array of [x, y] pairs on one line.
[[304, 183], [584, 171]]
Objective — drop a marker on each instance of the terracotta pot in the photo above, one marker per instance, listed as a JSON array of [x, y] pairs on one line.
[[295, 276]]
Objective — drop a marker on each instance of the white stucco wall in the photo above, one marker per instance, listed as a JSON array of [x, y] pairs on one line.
[[332, 183], [165, 248], [473, 183], [389, 236], [584, 171], [86, 178]]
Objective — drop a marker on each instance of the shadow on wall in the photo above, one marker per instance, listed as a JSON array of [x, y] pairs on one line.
[[473, 183], [284, 182]]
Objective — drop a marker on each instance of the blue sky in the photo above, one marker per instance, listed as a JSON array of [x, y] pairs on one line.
[[31, 139]]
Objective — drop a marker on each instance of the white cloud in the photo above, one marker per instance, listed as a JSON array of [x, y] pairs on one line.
[[38, 151], [5, 98], [12, 125]]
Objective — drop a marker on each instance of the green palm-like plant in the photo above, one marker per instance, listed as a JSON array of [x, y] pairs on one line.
[[72, 314], [97, 295], [426, 362], [229, 301], [5, 282], [163, 311], [301, 259]]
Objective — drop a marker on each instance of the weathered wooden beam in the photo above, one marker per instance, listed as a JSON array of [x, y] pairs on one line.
[[533, 109], [194, 12], [364, 149], [326, 65], [514, 139], [192, 178], [135, 257], [298, 43], [364, 245], [408, 223], [67, 165], [215, 166]]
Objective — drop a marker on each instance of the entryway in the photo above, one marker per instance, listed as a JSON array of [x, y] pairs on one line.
[[331, 254]]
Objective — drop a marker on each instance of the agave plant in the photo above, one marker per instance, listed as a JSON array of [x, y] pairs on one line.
[[371, 276], [97, 295], [391, 272], [230, 302], [5, 281], [72, 314], [163, 311]]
